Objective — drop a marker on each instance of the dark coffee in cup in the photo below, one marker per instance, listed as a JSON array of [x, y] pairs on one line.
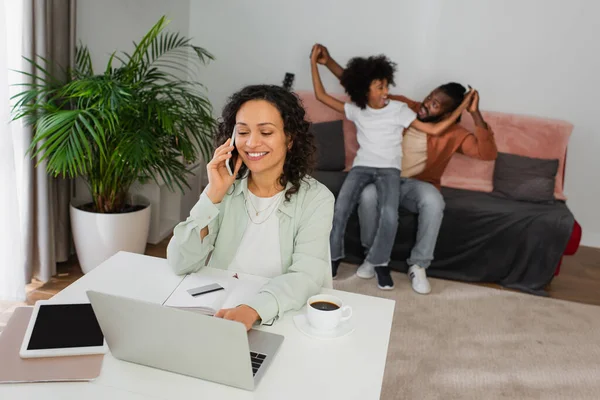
[[324, 306], [325, 312]]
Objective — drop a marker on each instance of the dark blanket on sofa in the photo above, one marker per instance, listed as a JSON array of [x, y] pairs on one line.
[[487, 238], [483, 238]]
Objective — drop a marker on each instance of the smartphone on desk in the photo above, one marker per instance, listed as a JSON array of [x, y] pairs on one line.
[[213, 287]]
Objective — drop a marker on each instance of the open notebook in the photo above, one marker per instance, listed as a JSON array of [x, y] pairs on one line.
[[237, 291]]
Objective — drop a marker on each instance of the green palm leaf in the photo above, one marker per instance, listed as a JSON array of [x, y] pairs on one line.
[[133, 122]]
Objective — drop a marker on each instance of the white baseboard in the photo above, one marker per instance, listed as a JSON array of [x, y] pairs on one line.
[[590, 239]]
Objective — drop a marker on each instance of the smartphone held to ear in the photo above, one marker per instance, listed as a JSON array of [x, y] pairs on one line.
[[230, 163]]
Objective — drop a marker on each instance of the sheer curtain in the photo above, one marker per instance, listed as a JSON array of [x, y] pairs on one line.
[[12, 263], [34, 208]]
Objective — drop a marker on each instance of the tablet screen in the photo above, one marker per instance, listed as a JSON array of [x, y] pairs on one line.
[[60, 326]]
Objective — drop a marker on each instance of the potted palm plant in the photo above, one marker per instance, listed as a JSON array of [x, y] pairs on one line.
[[143, 118]]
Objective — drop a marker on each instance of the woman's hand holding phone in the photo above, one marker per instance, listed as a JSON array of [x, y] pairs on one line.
[[219, 179]]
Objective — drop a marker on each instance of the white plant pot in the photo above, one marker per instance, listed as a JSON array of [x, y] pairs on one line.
[[98, 236]]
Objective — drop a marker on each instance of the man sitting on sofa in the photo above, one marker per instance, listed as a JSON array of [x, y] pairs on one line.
[[425, 158]]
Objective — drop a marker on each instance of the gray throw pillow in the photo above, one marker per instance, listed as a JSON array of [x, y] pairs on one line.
[[331, 154], [525, 178]]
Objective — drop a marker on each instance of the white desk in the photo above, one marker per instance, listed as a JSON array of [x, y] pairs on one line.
[[347, 368]]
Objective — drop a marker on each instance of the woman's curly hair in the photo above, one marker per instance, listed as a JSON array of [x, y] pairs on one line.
[[361, 72], [300, 159]]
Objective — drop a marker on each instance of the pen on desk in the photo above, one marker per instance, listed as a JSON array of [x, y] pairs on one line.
[[208, 291]]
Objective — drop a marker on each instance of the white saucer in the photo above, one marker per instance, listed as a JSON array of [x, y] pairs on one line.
[[343, 329]]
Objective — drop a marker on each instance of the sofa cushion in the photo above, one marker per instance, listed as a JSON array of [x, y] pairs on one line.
[[319, 112], [332, 179], [515, 134], [525, 178], [330, 145]]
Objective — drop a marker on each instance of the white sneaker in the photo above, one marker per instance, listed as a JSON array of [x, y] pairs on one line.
[[418, 279], [366, 270]]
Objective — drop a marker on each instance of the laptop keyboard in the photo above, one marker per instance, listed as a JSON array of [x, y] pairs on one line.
[[257, 360]]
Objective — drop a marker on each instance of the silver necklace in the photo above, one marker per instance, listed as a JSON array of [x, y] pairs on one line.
[[274, 201], [252, 219]]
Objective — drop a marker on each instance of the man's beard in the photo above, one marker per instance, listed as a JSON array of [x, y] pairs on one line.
[[431, 119]]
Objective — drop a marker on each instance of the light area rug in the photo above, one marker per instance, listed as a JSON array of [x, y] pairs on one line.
[[470, 342]]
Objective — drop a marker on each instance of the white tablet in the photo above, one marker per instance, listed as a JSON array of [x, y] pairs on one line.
[[56, 330]]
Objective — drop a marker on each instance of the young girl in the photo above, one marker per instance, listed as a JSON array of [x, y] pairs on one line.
[[270, 218], [379, 124]]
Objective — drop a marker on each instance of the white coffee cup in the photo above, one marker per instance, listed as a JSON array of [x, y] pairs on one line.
[[327, 315]]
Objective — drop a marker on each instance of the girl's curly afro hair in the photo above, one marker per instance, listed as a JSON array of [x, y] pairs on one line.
[[361, 72]]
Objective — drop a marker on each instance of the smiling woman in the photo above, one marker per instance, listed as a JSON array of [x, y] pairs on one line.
[[269, 218], [272, 110]]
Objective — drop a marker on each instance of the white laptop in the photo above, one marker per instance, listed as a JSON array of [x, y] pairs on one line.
[[184, 342]]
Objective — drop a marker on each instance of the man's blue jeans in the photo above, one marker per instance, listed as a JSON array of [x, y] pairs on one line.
[[386, 185], [417, 197]]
